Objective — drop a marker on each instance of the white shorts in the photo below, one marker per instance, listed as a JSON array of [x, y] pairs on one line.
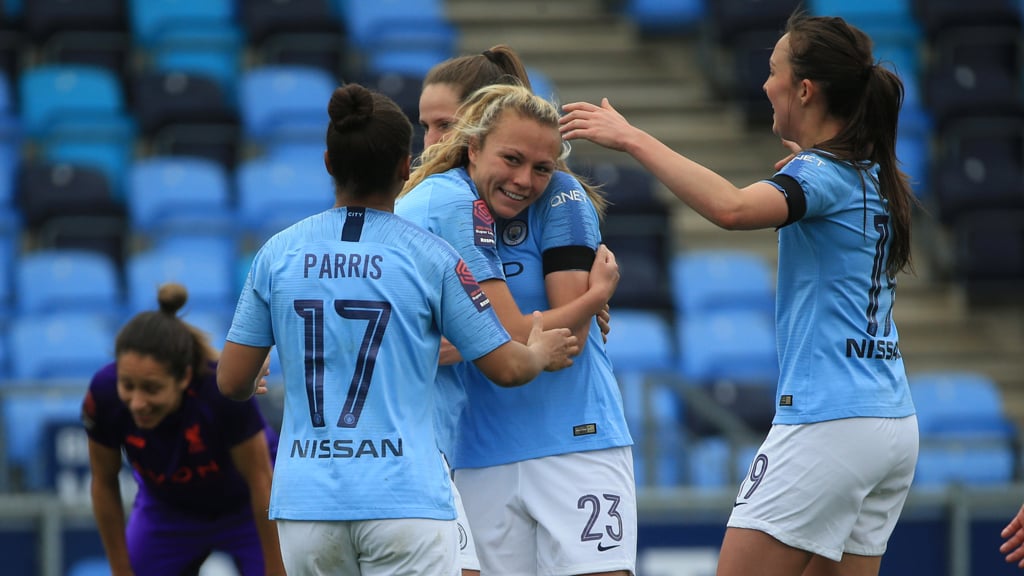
[[566, 514], [831, 487], [369, 547]]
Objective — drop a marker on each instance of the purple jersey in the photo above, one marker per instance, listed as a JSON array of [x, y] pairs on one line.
[[184, 462]]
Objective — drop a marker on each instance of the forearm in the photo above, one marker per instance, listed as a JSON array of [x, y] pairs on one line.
[[706, 192], [110, 521]]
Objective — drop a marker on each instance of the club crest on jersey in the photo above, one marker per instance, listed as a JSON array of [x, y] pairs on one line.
[[483, 224], [471, 287], [515, 233]]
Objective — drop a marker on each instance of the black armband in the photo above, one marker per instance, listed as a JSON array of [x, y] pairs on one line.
[[795, 199], [568, 258]]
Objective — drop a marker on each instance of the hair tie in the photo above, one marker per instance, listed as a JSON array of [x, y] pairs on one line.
[[491, 56]]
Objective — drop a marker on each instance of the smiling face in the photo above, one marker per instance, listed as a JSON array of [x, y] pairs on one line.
[[147, 389], [514, 165], [438, 104], [782, 90]]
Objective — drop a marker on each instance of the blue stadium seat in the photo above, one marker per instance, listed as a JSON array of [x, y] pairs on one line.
[[964, 464], [77, 114], [207, 274], [959, 405], [25, 414], [199, 36], [640, 341], [665, 16], [734, 345], [57, 281], [275, 193], [56, 97], [285, 103], [67, 346], [174, 195], [880, 19], [399, 36], [708, 280], [214, 324]]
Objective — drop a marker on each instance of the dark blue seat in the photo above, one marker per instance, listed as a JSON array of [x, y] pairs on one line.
[[979, 165]]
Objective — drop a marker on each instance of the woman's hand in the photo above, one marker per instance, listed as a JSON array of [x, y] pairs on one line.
[[794, 150], [604, 273]]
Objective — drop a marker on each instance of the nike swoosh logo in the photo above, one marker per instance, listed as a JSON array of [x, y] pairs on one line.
[[735, 504], [603, 548]]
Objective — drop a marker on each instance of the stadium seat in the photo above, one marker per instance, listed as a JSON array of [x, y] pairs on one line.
[[989, 255], [59, 346], [975, 70], [56, 97], [55, 281], [187, 114], [732, 345], [959, 405], [175, 195], [93, 33], [729, 18], [964, 464], [77, 114], [879, 18], [708, 280], [71, 206], [399, 36], [25, 413], [296, 32], [207, 274], [936, 16], [665, 17], [979, 165], [285, 103], [275, 193], [640, 341]]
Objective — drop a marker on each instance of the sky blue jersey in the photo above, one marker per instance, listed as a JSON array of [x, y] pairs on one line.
[[839, 350], [448, 205], [356, 301], [574, 409]]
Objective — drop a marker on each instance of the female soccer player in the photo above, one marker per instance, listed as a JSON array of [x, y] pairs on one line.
[[356, 300], [561, 460], [828, 484], [202, 462]]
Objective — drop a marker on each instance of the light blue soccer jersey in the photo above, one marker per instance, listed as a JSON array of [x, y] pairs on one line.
[[356, 301], [575, 409], [448, 205], [839, 350]]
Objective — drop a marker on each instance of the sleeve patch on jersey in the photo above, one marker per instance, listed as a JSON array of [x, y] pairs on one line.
[[476, 294], [786, 400], [483, 224]]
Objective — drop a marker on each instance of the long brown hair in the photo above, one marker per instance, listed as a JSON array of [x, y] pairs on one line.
[[867, 97]]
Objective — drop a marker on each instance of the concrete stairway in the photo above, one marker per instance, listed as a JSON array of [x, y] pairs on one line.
[[589, 53]]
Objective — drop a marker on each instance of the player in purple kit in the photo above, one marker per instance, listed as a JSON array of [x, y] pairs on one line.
[[202, 461]]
